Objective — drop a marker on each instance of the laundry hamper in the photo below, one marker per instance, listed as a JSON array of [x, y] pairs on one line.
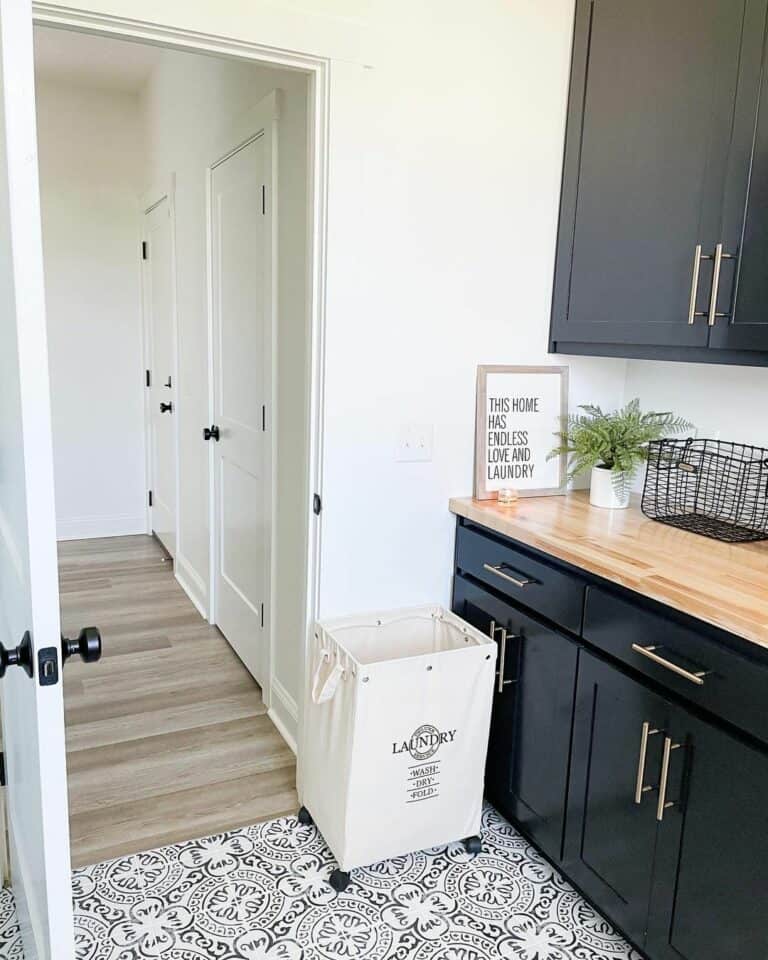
[[395, 734]]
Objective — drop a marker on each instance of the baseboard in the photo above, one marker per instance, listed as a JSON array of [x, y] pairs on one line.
[[284, 714], [95, 528], [189, 581]]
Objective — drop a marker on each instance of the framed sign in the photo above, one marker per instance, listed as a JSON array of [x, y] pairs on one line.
[[519, 412]]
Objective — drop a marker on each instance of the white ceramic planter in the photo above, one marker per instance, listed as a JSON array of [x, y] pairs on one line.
[[603, 492]]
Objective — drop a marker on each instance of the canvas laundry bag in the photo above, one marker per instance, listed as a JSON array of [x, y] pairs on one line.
[[396, 720]]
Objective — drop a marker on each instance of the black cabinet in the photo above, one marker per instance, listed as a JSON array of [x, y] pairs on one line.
[[667, 822], [527, 774], [617, 749], [711, 872], [646, 779], [655, 257]]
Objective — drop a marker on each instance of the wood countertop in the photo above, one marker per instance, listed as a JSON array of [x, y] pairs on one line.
[[720, 583]]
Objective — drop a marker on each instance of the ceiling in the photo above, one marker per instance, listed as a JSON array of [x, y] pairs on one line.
[[83, 59]]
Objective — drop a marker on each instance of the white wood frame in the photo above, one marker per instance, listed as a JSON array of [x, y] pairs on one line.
[[318, 71], [165, 190], [261, 120]]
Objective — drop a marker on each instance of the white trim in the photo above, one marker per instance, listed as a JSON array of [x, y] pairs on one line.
[[319, 70], [284, 713], [94, 528], [259, 121], [189, 581]]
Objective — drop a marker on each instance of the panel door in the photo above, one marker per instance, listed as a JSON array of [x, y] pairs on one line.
[[240, 251], [711, 882], [33, 715], [527, 770], [159, 302], [611, 831], [743, 292], [653, 88]]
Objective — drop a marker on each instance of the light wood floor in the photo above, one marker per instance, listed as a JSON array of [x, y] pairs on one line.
[[167, 736]]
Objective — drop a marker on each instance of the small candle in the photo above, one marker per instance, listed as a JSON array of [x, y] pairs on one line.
[[508, 496]]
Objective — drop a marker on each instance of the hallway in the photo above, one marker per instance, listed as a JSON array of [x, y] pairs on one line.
[[167, 736]]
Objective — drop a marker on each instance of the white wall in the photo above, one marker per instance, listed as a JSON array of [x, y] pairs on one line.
[[446, 126], [90, 150], [723, 402], [192, 105]]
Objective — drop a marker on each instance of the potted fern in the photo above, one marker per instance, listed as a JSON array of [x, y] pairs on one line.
[[613, 445]]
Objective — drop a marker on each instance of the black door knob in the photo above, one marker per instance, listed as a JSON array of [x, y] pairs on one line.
[[211, 433], [87, 646], [166, 408], [20, 656]]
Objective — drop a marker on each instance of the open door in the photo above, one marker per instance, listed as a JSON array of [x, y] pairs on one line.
[[32, 706]]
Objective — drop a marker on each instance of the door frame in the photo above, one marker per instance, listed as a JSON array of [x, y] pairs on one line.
[[163, 190], [260, 120], [318, 70]]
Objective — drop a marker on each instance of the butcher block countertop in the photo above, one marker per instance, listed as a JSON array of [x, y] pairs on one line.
[[723, 584]]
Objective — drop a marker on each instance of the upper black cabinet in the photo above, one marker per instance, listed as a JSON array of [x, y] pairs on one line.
[[656, 256]]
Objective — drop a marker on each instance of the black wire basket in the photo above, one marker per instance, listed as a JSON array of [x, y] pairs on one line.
[[717, 489]]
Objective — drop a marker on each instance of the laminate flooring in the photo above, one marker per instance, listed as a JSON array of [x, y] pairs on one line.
[[167, 735]]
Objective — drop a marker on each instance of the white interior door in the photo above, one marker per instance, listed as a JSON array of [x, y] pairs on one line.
[[241, 289], [161, 348], [33, 717]]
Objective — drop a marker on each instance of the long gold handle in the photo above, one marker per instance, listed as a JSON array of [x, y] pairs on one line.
[[502, 660], [715, 284], [718, 257], [692, 314], [640, 789], [505, 576], [662, 804], [697, 678]]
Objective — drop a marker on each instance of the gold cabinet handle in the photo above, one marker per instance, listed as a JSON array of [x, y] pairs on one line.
[[640, 788], [505, 576], [692, 311], [697, 677], [663, 804], [718, 258]]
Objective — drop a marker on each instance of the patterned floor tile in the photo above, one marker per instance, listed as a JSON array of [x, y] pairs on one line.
[[262, 893]]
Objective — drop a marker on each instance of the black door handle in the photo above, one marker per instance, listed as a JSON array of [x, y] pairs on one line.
[[20, 656], [87, 646], [166, 408], [211, 433]]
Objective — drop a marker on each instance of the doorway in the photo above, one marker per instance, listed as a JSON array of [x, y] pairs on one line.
[[192, 297]]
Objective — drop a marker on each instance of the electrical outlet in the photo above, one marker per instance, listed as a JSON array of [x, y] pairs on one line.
[[414, 443]]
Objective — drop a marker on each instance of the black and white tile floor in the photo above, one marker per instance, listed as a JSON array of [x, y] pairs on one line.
[[262, 893]]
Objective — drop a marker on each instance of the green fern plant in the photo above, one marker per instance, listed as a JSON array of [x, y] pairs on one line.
[[616, 441]]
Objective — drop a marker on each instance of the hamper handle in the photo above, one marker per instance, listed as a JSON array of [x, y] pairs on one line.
[[323, 693]]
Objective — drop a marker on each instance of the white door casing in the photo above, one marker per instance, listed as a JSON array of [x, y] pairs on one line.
[[159, 305], [242, 222], [33, 716]]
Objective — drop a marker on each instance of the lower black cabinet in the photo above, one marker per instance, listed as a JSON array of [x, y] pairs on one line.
[[617, 750], [710, 889], [527, 771], [667, 822]]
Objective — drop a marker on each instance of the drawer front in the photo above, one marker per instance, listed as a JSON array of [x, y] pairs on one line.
[[557, 595], [705, 672]]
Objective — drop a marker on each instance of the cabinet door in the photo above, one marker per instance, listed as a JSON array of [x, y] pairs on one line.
[[743, 292], [709, 897], [527, 772], [611, 831], [653, 88]]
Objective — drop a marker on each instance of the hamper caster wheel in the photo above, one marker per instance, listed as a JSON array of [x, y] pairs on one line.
[[305, 817], [340, 880], [473, 844]]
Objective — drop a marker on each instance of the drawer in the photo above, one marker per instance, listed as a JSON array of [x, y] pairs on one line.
[[558, 595], [687, 660]]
